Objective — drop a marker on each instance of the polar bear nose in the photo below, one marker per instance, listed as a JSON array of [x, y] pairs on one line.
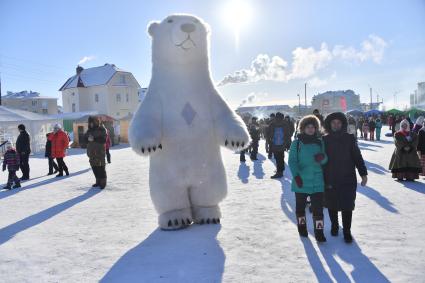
[[188, 28]]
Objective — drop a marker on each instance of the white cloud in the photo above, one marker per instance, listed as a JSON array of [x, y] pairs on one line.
[[86, 59], [253, 97], [316, 82], [262, 68], [306, 62]]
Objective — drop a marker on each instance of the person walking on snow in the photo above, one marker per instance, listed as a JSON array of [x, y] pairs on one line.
[[48, 154], [108, 144], [421, 147], [24, 149], [405, 162], [306, 158], [11, 162], [279, 140], [60, 142], [95, 138], [378, 128], [344, 157], [365, 129], [254, 132]]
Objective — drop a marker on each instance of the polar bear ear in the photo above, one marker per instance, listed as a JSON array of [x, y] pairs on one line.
[[152, 27]]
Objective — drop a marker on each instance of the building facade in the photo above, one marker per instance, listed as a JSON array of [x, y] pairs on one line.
[[417, 98], [31, 101], [105, 89], [336, 101]]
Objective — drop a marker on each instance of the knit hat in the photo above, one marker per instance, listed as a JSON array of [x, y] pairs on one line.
[[21, 127], [420, 120]]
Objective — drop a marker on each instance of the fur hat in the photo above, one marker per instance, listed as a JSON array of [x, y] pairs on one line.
[[21, 127], [308, 120], [405, 122], [336, 116]]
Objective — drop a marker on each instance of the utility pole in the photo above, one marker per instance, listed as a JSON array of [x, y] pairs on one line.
[[305, 95], [299, 104]]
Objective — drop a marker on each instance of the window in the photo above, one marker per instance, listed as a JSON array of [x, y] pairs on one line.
[[122, 79], [126, 97], [118, 97], [73, 94], [96, 97], [73, 107], [34, 103], [44, 111], [118, 113]]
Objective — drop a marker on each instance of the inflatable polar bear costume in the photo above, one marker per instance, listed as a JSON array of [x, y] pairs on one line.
[[181, 125]]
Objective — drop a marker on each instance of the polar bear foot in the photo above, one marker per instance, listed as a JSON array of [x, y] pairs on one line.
[[206, 214], [175, 219]]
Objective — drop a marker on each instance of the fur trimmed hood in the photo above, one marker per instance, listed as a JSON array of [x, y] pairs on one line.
[[336, 116]]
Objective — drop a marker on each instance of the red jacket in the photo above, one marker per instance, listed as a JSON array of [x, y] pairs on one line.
[[60, 143], [108, 141]]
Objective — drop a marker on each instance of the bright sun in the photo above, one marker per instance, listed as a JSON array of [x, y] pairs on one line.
[[237, 14]]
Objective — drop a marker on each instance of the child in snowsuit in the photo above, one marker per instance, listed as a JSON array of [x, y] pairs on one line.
[[306, 158], [11, 162]]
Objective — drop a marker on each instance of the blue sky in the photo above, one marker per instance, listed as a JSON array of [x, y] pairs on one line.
[[381, 44]]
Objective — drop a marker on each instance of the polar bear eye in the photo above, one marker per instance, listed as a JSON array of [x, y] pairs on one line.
[[170, 21]]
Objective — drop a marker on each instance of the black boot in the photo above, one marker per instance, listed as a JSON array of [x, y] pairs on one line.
[[348, 238], [318, 230], [66, 171], [277, 175], [334, 229], [17, 185], [302, 226], [7, 187], [60, 174]]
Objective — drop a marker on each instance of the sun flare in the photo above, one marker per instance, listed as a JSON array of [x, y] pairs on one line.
[[237, 14]]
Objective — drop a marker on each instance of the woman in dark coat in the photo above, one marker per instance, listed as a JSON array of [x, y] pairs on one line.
[[48, 154], [95, 137], [344, 157], [405, 162]]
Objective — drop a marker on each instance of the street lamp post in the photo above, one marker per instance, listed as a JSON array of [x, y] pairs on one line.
[[299, 104]]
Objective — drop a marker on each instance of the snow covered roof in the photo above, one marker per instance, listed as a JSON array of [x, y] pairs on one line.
[[28, 97], [73, 115], [92, 76], [12, 115]]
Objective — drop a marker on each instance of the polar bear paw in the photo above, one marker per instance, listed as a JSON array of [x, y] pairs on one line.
[[175, 219], [235, 144], [206, 214], [147, 148]]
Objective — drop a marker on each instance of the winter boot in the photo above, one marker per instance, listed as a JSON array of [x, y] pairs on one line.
[[277, 175], [60, 174], [334, 229], [102, 183], [348, 238], [302, 226], [17, 185], [318, 230], [7, 187], [66, 171], [96, 184], [50, 173]]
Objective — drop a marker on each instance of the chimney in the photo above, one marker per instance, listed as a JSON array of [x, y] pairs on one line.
[[79, 69]]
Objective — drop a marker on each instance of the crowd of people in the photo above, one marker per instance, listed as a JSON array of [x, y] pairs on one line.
[[96, 138], [323, 158], [324, 155]]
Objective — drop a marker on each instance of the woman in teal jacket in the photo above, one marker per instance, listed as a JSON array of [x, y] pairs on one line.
[[378, 129], [306, 157]]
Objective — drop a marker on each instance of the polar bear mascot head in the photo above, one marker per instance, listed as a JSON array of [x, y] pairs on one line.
[[180, 41]]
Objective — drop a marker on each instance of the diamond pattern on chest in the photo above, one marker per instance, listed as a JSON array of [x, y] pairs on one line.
[[188, 113]]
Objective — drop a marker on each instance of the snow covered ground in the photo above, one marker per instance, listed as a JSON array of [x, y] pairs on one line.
[[61, 230]]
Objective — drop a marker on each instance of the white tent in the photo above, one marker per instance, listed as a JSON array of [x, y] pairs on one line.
[[36, 125]]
